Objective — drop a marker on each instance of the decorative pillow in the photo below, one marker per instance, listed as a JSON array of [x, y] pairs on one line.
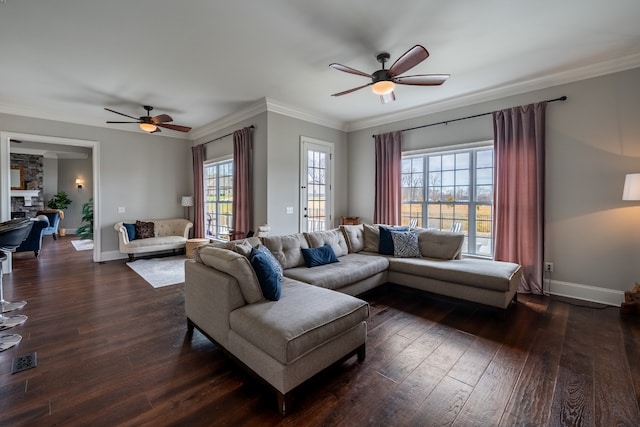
[[405, 244], [268, 277], [131, 230], [144, 230], [371, 237], [314, 257], [386, 242], [277, 267]]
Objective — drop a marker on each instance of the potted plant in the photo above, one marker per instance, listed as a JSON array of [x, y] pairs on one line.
[[60, 202], [85, 231]]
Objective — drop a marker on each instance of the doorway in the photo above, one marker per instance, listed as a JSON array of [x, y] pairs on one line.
[[5, 190], [316, 185]]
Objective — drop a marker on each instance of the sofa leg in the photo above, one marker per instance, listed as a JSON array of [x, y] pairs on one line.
[[284, 401], [190, 325], [362, 352], [130, 257], [35, 253], [54, 236]]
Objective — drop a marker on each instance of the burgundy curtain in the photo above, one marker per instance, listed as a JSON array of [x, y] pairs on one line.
[[242, 183], [198, 153], [518, 218], [388, 177]]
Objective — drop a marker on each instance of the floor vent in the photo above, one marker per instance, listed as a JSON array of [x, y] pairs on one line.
[[22, 363]]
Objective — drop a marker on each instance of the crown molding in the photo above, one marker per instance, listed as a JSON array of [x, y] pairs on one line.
[[308, 116], [247, 112], [563, 77]]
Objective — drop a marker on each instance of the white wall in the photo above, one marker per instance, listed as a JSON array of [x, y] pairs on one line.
[[592, 141]]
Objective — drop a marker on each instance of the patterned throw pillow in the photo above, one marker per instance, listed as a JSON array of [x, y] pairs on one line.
[[385, 246], [144, 230], [405, 244]]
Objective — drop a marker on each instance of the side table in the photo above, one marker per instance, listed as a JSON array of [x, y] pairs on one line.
[[192, 245]]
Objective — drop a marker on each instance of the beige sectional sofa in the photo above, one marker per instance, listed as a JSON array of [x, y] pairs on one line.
[[318, 320], [169, 234]]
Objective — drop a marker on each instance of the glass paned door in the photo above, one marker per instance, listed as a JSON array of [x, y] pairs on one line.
[[316, 211]]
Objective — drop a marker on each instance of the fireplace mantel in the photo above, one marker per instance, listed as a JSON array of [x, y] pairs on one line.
[[26, 194]]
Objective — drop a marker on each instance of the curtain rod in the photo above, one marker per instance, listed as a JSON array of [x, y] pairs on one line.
[[562, 98], [223, 136]]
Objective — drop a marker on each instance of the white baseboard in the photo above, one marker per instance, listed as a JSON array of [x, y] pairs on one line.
[[585, 293], [112, 256]]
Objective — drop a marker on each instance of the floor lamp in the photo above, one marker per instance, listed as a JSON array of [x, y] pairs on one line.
[[187, 202]]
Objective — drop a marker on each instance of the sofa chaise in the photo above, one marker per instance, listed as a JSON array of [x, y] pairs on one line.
[[318, 321], [163, 235]]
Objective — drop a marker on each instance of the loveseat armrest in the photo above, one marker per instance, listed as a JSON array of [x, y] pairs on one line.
[[123, 236]]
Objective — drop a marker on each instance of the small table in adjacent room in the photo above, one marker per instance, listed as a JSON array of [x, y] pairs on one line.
[[192, 245]]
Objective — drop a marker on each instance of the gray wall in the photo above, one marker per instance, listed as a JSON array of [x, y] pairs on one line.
[[68, 171], [592, 141], [146, 174]]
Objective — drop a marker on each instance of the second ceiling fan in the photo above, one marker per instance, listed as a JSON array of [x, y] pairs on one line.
[[383, 81], [152, 124]]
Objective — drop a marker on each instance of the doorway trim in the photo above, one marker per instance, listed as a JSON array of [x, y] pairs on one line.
[[5, 166]]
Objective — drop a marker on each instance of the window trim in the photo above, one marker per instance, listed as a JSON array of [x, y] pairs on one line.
[[472, 147], [206, 164]]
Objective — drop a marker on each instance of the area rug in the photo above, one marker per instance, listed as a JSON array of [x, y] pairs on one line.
[[159, 272], [82, 245]]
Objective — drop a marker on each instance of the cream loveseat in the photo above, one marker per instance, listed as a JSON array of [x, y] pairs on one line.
[[317, 321], [168, 234]]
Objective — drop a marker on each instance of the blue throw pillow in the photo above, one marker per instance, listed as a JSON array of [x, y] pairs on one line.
[[314, 257], [131, 231], [385, 245], [268, 278], [270, 257]]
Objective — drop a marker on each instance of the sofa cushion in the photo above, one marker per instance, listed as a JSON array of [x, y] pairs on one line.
[[144, 229], [286, 249], [335, 238], [157, 242], [440, 244], [241, 246], [351, 269], [268, 271], [315, 257], [303, 319], [405, 244], [354, 236], [131, 230], [487, 274], [371, 235], [235, 265]]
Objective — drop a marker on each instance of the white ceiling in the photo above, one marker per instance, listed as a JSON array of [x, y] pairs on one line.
[[200, 60]]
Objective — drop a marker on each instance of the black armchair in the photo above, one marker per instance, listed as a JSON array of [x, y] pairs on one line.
[[33, 242]]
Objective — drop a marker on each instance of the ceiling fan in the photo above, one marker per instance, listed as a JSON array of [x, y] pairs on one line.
[[383, 81], [152, 124]]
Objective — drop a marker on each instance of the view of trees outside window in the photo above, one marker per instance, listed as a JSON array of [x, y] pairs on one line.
[[452, 190], [218, 199]]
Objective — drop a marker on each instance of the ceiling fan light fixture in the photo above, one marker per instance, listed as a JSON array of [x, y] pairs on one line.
[[148, 127], [383, 87]]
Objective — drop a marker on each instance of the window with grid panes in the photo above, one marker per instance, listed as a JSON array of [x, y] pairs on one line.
[[452, 190], [218, 198]]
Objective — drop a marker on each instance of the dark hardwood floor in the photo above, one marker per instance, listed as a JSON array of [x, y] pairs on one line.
[[112, 350]]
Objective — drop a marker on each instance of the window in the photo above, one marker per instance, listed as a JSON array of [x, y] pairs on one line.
[[218, 198], [452, 190]]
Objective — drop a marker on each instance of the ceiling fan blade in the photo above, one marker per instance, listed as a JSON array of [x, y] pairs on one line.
[[390, 97], [351, 90], [162, 118], [122, 122], [174, 127], [408, 60], [122, 114], [156, 131], [349, 70], [422, 80]]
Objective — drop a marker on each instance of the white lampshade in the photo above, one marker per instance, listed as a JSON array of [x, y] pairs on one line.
[[187, 201], [631, 187]]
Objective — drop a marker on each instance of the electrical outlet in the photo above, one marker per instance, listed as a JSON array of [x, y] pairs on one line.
[[548, 267]]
